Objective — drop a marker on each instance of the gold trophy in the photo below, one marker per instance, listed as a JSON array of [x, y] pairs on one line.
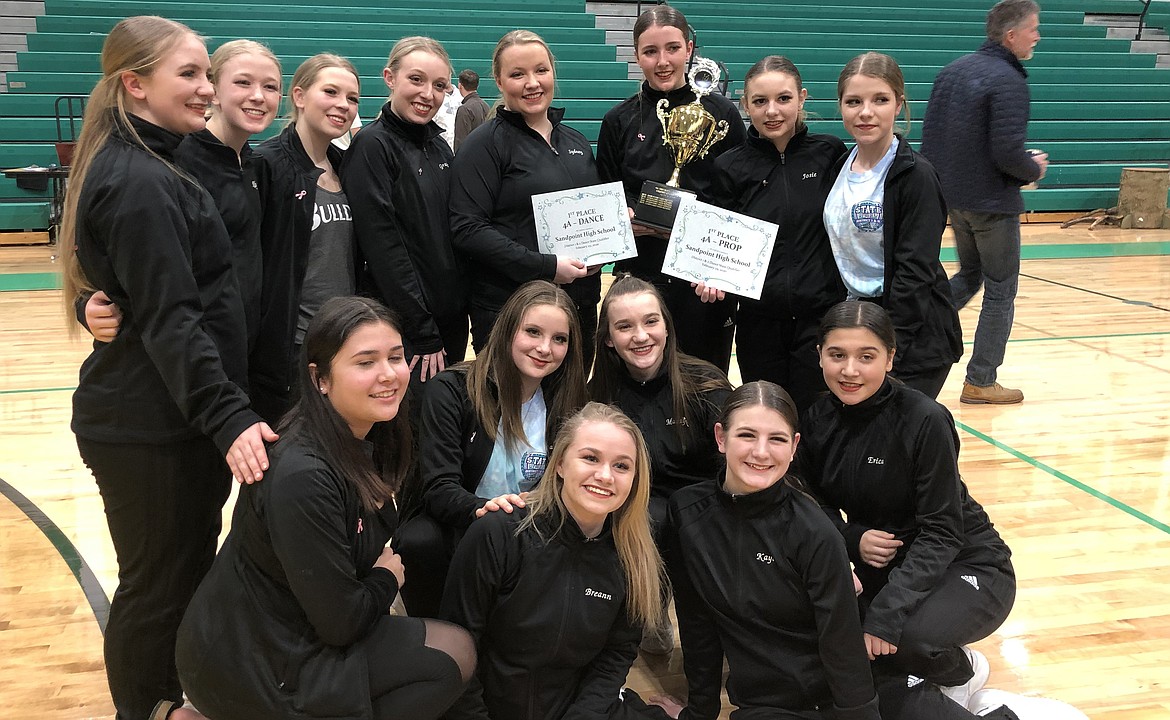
[[689, 132]]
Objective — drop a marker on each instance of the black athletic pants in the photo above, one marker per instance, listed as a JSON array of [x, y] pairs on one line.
[[162, 506], [783, 351]]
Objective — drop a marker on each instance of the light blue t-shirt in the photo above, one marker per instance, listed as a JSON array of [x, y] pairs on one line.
[[517, 470], [854, 219]]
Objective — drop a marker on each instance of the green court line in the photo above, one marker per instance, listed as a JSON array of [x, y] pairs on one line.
[[1083, 337], [1157, 524], [1072, 251], [37, 390], [29, 281]]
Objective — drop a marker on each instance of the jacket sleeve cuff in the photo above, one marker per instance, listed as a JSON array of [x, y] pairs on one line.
[[549, 267], [853, 535], [236, 424], [868, 711]]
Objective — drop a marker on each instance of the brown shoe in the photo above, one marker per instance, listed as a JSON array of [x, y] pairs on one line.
[[993, 394]]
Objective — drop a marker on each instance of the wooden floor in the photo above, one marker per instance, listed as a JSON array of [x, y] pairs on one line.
[[1077, 479]]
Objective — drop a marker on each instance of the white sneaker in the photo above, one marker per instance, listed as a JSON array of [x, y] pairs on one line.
[[962, 693], [1026, 708]]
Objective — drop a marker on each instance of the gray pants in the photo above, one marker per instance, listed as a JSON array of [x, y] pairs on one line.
[[988, 245]]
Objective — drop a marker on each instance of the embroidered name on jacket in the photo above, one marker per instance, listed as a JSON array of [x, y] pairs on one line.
[[590, 592], [765, 558], [875, 461], [576, 152]]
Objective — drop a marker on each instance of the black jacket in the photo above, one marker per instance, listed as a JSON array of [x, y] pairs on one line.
[[231, 181], [651, 406], [500, 166], [630, 150], [763, 580], [274, 629], [891, 463], [787, 188], [549, 618], [288, 190], [397, 178], [916, 292], [976, 128], [155, 243]]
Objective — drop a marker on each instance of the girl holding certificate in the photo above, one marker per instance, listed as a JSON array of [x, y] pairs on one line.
[[673, 398], [885, 216], [524, 150], [397, 176], [630, 150], [486, 427], [555, 594], [782, 174]]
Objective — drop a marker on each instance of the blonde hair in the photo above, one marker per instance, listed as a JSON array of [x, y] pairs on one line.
[[510, 40], [630, 523], [233, 49], [416, 43], [136, 45], [882, 67], [307, 74]]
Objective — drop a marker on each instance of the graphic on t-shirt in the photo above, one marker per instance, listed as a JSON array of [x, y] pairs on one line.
[[330, 212], [532, 464], [867, 216]]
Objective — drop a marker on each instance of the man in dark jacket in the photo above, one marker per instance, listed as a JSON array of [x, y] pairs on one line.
[[974, 133], [473, 111]]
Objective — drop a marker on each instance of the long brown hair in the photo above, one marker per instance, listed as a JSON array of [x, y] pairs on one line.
[[780, 64], [135, 45], [314, 419], [630, 524], [880, 66], [564, 388], [773, 397], [690, 378]]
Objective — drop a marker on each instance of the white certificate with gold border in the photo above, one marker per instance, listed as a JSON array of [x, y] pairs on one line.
[[720, 249], [590, 224]]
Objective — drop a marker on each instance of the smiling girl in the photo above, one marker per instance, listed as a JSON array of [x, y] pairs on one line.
[[292, 620], [397, 176], [306, 232], [885, 216], [159, 407], [524, 150], [555, 594], [630, 150], [485, 430], [783, 174]]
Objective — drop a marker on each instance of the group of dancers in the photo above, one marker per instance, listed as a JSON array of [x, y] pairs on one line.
[[534, 520]]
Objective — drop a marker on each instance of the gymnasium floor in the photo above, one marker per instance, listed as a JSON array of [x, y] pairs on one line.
[[1077, 479]]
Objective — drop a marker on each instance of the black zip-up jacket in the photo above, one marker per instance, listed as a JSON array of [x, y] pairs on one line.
[[500, 166], [454, 450], [651, 406], [763, 579], [548, 615], [787, 188], [630, 149], [288, 190], [917, 293], [275, 629], [231, 181], [155, 243], [397, 178], [891, 463]]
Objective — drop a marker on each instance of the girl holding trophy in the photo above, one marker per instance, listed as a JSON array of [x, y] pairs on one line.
[[630, 148]]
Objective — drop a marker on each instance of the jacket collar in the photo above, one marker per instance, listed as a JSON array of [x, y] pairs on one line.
[[766, 146], [678, 96], [418, 134], [869, 407], [472, 94], [158, 140], [295, 149], [997, 50], [754, 503], [569, 531], [555, 115]]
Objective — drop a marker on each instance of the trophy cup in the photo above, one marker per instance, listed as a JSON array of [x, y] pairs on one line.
[[688, 131]]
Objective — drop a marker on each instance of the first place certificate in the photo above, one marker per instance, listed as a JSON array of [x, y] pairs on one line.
[[720, 249], [590, 224]]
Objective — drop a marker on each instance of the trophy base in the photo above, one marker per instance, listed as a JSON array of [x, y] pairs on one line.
[[658, 205]]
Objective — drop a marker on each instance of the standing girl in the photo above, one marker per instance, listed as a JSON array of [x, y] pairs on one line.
[[555, 594], [397, 177], [761, 579], [306, 232], [783, 174], [158, 407], [523, 151], [630, 150], [485, 430], [935, 574], [885, 217], [292, 619]]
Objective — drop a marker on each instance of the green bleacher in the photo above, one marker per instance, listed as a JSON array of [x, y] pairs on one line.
[[1096, 107]]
